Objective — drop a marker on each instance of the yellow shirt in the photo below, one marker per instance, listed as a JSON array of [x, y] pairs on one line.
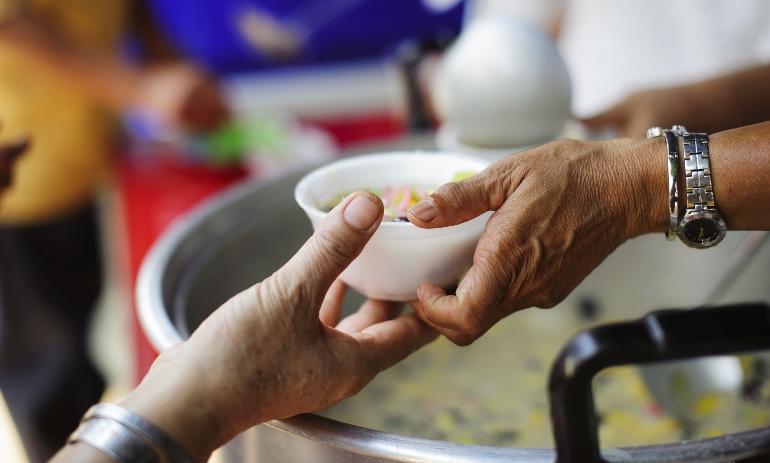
[[71, 136]]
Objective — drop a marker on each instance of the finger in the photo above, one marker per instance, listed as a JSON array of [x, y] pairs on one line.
[[332, 304], [467, 312], [339, 239], [461, 339], [372, 311], [458, 202], [383, 345], [483, 286]]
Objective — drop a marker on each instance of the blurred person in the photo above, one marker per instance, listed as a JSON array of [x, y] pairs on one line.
[[61, 82], [636, 64]]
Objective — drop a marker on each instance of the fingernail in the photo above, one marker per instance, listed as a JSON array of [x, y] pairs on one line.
[[361, 213], [425, 210]]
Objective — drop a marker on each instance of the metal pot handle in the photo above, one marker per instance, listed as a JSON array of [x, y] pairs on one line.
[[661, 335]]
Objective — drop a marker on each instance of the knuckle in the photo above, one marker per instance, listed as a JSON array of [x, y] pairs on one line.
[[334, 249], [461, 340], [491, 258], [546, 301], [455, 194], [472, 322]]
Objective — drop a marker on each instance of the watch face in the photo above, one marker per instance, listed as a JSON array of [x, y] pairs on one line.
[[702, 230]]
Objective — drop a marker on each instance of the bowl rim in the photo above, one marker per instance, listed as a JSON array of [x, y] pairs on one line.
[[302, 186]]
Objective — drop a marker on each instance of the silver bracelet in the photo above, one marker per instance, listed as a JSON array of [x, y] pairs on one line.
[[140, 426], [673, 173], [114, 440]]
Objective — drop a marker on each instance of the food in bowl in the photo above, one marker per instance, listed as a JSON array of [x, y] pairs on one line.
[[400, 256], [398, 199]]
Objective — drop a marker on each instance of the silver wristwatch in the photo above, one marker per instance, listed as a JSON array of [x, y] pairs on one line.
[[701, 227]]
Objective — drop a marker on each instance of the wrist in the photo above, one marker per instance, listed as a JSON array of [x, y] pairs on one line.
[[644, 180], [179, 405]]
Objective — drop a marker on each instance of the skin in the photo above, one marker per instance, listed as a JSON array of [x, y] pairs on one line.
[[180, 92], [273, 351], [278, 348], [710, 106], [562, 207]]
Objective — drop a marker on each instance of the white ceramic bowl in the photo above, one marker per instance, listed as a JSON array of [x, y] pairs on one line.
[[400, 256]]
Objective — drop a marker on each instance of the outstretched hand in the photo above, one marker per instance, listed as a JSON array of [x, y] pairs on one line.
[[273, 350], [183, 94], [662, 107], [561, 208]]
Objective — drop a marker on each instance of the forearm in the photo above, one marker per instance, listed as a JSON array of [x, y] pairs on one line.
[[172, 402], [104, 80], [80, 453], [740, 174], [733, 100]]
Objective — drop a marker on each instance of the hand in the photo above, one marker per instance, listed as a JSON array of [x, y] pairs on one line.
[[561, 208], [271, 351], [183, 94], [661, 107]]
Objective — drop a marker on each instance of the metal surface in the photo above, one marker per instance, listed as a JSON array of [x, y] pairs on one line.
[[248, 232], [699, 191], [114, 440], [659, 336], [672, 164]]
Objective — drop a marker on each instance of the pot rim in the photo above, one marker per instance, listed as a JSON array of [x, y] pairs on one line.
[[162, 334]]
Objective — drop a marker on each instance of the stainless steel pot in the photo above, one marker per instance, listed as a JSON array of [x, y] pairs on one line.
[[241, 237]]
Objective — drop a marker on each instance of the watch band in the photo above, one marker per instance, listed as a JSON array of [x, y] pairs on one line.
[[701, 226], [700, 194]]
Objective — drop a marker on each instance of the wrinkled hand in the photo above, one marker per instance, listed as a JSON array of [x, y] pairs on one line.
[[183, 94], [561, 208], [662, 107], [272, 351]]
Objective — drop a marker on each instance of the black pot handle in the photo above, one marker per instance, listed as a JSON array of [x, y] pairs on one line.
[[662, 335]]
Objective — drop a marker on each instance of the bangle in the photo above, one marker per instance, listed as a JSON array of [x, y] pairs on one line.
[[142, 427], [672, 155], [124, 436], [114, 440]]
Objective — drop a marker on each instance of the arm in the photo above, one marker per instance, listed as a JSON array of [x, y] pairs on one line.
[[106, 81], [562, 207], [276, 349], [179, 91], [710, 106]]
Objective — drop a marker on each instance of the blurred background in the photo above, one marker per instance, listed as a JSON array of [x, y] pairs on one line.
[[136, 111]]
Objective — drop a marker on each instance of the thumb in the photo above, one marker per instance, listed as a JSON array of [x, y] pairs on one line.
[[457, 202], [339, 239]]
